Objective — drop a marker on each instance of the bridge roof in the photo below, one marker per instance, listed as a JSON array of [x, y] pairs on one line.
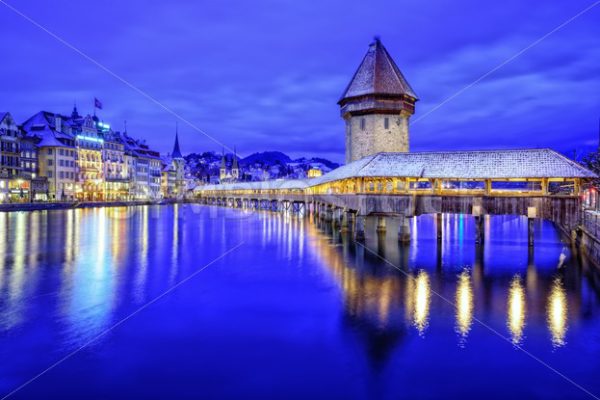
[[274, 184], [480, 164]]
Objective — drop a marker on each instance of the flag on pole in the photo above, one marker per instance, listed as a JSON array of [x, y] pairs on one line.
[[97, 103]]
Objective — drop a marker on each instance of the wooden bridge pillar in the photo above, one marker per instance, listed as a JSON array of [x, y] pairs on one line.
[[328, 213], [320, 211], [344, 222], [531, 216], [404, 230], [438, 226], [359, 231], [381, 228], [336, 216], [479, 229], [530, 231]]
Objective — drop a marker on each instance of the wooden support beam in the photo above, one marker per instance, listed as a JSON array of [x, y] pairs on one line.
[[480, 229], [381, 228], [404, 230], [530, 231], [344, 223], [438, 226], [359, 231]]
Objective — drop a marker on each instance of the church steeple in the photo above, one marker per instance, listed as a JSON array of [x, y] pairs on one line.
[[74, 114], [176, 151], [235, 170], [376, 106], [223, 169]]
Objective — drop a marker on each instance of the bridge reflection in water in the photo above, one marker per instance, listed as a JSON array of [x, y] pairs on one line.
[[524, 294]]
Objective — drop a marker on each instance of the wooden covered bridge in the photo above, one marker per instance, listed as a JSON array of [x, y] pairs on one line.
[[537, 183]]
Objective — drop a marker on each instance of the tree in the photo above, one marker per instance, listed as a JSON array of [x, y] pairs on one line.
[[592, 162]]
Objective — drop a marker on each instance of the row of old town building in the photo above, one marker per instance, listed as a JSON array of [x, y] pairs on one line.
[[53, 157]]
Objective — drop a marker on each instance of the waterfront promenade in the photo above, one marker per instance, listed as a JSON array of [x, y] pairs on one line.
[[65, 205]]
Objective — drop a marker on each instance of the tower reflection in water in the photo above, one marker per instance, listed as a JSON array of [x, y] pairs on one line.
[[397, 299]]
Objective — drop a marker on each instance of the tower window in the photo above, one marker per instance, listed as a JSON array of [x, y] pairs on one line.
[[386, 123], [362, 124]]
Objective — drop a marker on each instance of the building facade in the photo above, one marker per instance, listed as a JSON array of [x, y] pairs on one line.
[[116, 174], [10, 169], [89, 142], [54, 157]]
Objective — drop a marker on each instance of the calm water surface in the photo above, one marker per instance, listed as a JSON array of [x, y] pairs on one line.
[[296, 311]]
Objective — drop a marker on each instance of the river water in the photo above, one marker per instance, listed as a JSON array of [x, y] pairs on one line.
[[189, 301]]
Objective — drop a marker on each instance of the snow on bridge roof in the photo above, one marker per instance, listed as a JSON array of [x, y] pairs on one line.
[[480, 164], [263, 185]]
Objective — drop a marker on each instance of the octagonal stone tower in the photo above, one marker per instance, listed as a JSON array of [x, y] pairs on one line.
[[376, 106]]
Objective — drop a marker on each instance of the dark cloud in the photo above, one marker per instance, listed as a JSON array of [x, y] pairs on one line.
[[267, 74]]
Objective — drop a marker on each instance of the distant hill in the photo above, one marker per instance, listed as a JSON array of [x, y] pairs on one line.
[[266, 158], [257, 166]]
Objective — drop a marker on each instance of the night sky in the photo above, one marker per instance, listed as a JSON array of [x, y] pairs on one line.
[[266, 75]]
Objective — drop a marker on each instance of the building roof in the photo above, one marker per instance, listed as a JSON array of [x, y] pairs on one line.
[[48, 139], [479, 164], [378, 74], [176, 150], [2, 115], [263, 185]]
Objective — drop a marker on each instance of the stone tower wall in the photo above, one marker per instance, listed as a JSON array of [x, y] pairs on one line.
[[375, 137]]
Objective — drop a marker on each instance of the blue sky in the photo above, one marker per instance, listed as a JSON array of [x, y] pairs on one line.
[[266, 75]]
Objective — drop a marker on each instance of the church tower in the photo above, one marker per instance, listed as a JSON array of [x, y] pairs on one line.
[[223, 170], [376, 106], [235, 169], [179, 164]]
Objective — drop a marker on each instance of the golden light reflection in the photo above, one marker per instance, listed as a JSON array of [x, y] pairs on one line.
[[557, 313], [17, 277], [516, 310], [464, 304], [422, 301], [140, 278]]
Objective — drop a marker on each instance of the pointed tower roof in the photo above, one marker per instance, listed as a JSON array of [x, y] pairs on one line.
[[75, 114], [176, 151], [223, 162], [235, 159], [378, 74]]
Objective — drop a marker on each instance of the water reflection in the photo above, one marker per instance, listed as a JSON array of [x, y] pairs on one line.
[[464, 305], [75, 273], [516, 310], [421, 302], [379, 295], [557, 313]]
